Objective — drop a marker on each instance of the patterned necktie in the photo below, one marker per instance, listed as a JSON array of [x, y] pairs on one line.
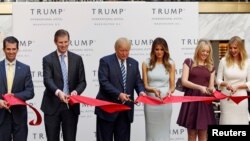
[[10, 74], [123, 75], [65, 74]]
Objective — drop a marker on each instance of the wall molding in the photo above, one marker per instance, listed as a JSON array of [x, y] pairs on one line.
[[5, 8], [204, 7], [223, 7]]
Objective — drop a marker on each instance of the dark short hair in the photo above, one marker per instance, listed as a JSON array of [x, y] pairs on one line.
[[60, 33], [12, 40]]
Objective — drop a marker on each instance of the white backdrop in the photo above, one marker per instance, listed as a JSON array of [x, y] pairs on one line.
[[94, 27], [5, 30]]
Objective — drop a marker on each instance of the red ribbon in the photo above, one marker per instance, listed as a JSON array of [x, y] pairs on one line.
[[109, 107], [175, 99], [238, 99], [13, 101], [106, 106]]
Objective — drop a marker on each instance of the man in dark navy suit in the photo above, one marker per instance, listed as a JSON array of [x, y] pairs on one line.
[[63, 75], [15, 79], [119, 76]]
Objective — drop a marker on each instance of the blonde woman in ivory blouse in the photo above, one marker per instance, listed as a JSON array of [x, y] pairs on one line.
[[233, 78]]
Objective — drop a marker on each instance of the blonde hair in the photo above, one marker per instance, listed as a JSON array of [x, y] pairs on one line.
[[242, 52], [122, 40], [209, 62]]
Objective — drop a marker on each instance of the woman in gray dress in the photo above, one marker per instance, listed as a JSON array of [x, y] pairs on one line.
[[159, 81]]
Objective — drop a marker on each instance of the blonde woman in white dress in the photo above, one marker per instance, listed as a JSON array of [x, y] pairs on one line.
[[233, 78]]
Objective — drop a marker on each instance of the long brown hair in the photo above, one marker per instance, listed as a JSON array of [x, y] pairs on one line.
[[166, 57], [209, 62], [242, 52]]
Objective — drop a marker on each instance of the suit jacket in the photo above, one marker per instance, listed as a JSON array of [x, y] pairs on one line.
[[22, 88], [53, 80], [111, 85]]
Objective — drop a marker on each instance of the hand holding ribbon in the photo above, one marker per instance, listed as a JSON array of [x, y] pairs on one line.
[[175, 99], [13, 101]]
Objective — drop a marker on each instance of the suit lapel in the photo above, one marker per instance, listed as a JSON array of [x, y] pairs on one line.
[[129, 65], [70, 66], [18, 70], [3, 74], [117, 68], [57, 64]]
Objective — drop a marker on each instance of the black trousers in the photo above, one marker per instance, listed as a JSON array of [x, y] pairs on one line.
[[11, 131], [64, 119], [118, 130]]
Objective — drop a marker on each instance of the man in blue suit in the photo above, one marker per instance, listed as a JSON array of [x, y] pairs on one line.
[[119, 76], [63, 75], [15, 79]]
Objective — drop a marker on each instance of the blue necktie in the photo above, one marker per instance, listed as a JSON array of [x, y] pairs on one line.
[[123, 75], [65, 74]]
